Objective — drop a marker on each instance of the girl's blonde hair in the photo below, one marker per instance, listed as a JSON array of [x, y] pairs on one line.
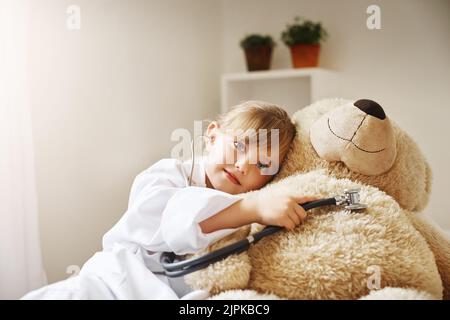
[[255, 115]]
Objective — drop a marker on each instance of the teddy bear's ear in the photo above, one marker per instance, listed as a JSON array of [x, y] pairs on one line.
[[358, 134]]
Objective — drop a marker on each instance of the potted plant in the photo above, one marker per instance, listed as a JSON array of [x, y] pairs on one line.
[[258, 51], [303, 38]]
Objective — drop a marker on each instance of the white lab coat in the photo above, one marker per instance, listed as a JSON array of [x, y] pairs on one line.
[[163, 215]]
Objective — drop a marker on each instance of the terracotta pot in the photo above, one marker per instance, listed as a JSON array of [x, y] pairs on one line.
[[258, 58], [305, 55]]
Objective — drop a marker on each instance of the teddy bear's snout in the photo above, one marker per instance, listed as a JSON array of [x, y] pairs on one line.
[[358, 134]]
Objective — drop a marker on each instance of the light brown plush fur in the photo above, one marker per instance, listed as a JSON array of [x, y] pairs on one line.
[[439, 243], [335, 253]]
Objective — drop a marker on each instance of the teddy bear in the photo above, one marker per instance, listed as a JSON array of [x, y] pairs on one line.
[[390, 250]]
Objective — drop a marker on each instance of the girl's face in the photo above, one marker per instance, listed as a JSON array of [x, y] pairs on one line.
[[231, 164]]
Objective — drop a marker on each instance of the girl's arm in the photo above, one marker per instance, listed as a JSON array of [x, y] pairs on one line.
[[164, 215], [239, 214], [281, 210]]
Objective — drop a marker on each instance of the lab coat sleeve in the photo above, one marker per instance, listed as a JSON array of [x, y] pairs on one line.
[[163, 215], [185, 210]]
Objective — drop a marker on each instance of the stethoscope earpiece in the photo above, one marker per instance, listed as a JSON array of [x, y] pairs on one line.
[[210, 138]]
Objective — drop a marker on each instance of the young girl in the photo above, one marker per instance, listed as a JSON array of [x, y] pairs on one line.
[[165, 215]]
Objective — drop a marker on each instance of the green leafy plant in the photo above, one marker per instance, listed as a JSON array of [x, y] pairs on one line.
[[303, 32], [257, 40]]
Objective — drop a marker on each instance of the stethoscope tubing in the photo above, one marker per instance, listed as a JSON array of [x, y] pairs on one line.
[[181, 268]]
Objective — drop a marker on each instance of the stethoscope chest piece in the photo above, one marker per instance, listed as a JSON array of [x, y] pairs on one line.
[[351, 200]]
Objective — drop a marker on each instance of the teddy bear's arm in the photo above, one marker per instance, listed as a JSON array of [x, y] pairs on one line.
[[439, 243], [231, 273]]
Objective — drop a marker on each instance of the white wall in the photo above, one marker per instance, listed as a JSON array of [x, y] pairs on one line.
[[104, 102], [405, 66]]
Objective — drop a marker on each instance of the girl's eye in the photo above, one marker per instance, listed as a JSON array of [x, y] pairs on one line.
[[240, 146], [262, 165]]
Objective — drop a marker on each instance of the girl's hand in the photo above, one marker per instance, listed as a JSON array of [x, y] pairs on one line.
[[284, 211]]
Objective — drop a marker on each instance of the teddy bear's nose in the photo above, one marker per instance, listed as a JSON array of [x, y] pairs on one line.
[[370, 107]]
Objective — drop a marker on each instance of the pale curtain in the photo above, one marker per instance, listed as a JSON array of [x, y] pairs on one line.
[[20, 254]]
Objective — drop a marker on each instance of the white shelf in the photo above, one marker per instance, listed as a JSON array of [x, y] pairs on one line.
[[273, 74], [290, 88]]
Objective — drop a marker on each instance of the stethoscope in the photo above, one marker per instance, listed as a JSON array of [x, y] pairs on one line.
[[189, 180], [174, 267]]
